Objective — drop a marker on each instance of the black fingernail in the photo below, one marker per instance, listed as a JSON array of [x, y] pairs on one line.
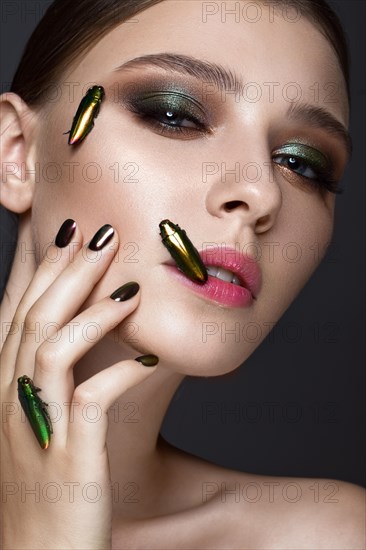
[[65, 233], [125, 292], [149, 360], [102, 237]]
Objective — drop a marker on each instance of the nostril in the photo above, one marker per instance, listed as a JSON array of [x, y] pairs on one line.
[[232, 204], [263, 222]]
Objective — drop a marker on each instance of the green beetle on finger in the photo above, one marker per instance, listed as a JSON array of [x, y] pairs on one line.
[[35, 410]]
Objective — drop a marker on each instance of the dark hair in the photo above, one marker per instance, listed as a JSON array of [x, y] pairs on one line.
[[70, 26]]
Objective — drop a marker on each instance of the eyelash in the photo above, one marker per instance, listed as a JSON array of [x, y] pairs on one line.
[[150, 114], [323, 180]]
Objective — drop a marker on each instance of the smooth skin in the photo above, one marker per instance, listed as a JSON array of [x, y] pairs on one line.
[[159, 502]]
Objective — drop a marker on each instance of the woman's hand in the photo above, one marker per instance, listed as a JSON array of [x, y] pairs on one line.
[[60, 497]]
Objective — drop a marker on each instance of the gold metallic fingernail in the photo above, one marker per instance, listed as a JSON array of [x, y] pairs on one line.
[[182, 251]]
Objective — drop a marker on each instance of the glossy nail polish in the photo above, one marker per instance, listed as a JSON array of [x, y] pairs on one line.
[[125, 292], [65, 233], [149, 360], [102, 237]]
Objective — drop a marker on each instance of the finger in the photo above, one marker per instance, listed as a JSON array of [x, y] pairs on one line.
[[54, 361], [69, 240], [92, 399], [64, 297]]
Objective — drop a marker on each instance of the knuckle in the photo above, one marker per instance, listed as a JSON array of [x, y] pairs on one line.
[[83, 395], [48, 356], [34, 317]]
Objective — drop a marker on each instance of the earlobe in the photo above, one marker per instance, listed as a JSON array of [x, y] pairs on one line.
[[17, 161]]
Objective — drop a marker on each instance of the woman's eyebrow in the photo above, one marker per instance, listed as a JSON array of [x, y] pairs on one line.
[[318, 117], [184, 64], [226, 80]]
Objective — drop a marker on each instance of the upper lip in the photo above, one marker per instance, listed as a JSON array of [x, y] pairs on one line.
[[243, 266]]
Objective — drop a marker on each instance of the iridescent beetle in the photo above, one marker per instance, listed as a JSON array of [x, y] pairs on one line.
[[35, 410], [88, 110], [182, 251]]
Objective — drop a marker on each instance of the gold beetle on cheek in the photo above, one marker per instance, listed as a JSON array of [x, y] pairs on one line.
[[88, 110]]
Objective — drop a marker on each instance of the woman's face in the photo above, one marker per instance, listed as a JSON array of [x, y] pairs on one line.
[[170, 144]]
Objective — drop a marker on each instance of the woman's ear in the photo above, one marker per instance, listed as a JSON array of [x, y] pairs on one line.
[[17, 147]]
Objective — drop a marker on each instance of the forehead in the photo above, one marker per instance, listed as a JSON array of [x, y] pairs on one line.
[[274, 49]]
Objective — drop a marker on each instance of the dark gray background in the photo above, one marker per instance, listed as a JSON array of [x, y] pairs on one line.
[[297, 406]]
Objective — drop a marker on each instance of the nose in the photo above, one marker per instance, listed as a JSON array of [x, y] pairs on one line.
[[243, 186]]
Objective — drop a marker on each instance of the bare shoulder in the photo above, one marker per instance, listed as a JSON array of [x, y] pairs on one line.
[[296, 513], [235, 509], [336, 521]]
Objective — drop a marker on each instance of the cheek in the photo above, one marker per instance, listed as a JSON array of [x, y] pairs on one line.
[[298, 242], [88, 182], [310, 229]]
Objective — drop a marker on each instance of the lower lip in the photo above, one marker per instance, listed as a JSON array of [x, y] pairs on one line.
[[216, 290]]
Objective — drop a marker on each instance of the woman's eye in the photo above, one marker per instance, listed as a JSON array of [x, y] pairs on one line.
[[174, 118], [297, 165], [309, 164], [170, 113]]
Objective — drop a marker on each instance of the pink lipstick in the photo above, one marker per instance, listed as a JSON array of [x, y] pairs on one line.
[[234, 279]]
